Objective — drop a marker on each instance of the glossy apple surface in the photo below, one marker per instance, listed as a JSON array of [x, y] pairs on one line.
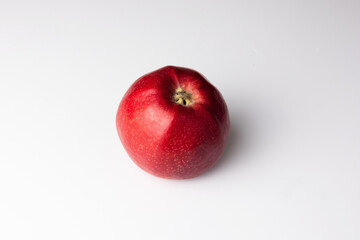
[[173, 123]]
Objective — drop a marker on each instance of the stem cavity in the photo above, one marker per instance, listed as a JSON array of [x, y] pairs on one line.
[[182, 97]]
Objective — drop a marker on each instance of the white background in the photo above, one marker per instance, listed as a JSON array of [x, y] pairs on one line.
[[288, 70]]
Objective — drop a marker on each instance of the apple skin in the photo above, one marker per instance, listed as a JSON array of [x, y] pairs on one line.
[[169, 139]]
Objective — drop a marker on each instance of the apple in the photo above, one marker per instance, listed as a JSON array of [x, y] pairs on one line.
[[173, 123]]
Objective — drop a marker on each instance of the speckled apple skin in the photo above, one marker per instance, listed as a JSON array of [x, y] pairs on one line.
[[167, 139]]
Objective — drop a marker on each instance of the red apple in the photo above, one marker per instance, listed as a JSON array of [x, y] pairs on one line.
[[173, 123]]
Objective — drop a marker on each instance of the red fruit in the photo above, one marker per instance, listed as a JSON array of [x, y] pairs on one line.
[[173, 123]]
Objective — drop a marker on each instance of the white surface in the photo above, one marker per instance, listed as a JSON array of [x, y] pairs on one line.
[[289, 71]]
